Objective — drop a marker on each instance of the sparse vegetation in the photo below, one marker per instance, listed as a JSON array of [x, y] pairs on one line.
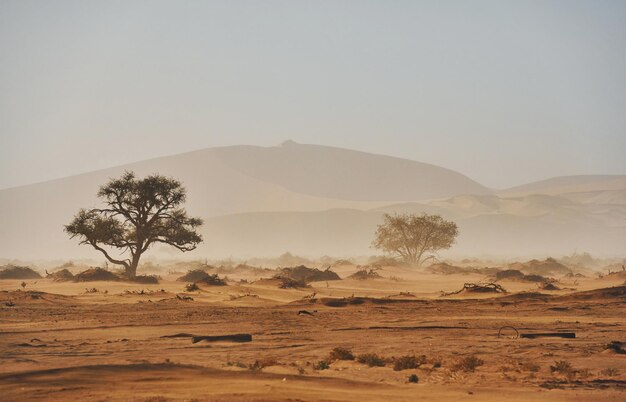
[[413, 378], [341, 354], [610, 372], [302, 274], [138, 214], [322, 365], [289, 283], [236, 364], [563, 367], [408, 362], [17, 272], [96, 274], [414, 238], [262, 363], [364, 274], [371, 360], [468, 364]]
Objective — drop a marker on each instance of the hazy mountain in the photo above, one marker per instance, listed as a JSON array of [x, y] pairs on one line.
[[229, 180], [318, 200], [570, 184], [521, 226], [344, 174]]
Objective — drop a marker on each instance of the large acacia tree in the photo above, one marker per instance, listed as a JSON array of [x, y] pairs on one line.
[[414, 238], [138, 213]]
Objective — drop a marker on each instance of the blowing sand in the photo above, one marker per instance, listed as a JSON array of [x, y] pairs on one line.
[[112, 341]]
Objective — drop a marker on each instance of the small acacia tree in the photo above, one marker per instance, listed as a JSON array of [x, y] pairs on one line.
[[138, 214], [414, 238]]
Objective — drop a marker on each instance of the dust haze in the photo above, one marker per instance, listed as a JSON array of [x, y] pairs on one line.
[[446, 223]]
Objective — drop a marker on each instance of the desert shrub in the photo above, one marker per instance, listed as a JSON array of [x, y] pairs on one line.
[[530, 366], [213, 280], [146, 279], [304, 274], [261, 364], [371, 360], [194, 275], [191, 287], [468, 364], [322, 365], [564, 368], [96, 274], [616, 346], [341, 354], [61, 275], [15, 272], [413, 378], [610, 372], [236, 364], [289, 283], [408, 362], [364, 274]]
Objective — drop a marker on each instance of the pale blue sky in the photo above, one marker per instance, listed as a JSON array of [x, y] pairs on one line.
[[504, 92]]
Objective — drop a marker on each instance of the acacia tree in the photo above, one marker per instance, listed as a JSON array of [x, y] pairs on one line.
[[414, 238], [138, 214]]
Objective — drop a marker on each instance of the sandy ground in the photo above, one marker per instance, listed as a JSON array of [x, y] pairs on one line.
[[58, 342]]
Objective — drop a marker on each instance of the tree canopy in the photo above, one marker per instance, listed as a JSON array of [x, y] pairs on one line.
[[414, 238], [138, 213]]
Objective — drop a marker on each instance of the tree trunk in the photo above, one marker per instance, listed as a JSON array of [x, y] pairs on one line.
[[131, 271]]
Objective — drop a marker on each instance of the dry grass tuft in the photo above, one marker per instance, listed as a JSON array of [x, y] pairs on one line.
[[408, 362], [371, 360], [340, 354], [468, 364]]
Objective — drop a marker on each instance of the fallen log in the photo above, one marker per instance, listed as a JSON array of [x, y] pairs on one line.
[[217, 338], [181, 335], [568, 335]]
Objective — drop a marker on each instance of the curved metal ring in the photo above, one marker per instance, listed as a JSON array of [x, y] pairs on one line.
[[510, 327]]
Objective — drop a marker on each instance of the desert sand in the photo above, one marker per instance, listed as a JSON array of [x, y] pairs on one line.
[[66, 341]]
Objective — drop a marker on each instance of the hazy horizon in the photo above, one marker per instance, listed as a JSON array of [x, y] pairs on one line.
[[505, 93]]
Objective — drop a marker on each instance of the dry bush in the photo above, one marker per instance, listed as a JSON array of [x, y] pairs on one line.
[[96, 274], [193, 275], [213, 280], [617, 347], [530, 366], [304, 274], [265, 362], [408, 362], [564, 368], [322, 365], [62, 275], [341, 354], [364, 274], [191, 287], [289, 283], [371, 360], [16, 272], [583, 374], [413, 378], [468, 364], [146, 279], [610, 372]]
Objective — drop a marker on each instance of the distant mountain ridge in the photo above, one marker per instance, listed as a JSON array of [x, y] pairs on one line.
[[256, 188]]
